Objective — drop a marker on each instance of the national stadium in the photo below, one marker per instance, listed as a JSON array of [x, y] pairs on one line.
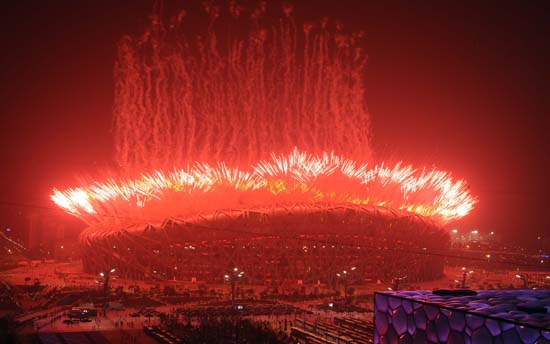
[[297, 217], [209, 177]]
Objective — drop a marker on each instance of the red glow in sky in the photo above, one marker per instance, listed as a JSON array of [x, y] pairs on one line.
[[215, 97], [460, 86]]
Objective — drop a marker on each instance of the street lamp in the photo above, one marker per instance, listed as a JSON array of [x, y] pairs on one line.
[[232, 278], [396, 281], [464, 274], [106, 276], [524, 279], [344, 276]]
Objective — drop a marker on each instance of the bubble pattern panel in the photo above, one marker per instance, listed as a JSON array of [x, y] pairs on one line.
[[490, 317]]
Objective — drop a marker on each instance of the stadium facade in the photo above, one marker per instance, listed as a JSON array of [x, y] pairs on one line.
[[301, 243]]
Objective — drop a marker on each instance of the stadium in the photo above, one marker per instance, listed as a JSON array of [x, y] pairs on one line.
[[301, 244], [298, 218], [237, 157]]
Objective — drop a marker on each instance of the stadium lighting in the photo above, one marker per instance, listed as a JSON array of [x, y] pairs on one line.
[[106, 276], [232, 278], [464, 274], [524, 279], [345, 279], [396, 281]]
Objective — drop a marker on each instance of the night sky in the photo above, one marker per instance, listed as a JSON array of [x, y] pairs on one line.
[[459, 86]]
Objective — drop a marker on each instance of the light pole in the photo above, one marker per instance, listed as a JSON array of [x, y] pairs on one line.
[[464, 275], [232, 278], [524, 279], [474, 235], [106, 276], [454, 237], [344, 276], [396, 281]]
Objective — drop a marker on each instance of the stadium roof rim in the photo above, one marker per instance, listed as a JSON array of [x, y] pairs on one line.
[[208, 220]]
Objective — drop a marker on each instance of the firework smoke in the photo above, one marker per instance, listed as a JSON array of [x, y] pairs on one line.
[[217, 96]]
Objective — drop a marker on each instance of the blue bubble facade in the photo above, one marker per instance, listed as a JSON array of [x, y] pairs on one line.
[[490, 317]]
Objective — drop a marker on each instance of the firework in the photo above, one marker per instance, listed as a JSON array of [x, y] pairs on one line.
[[237, 95], [298, 177]]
